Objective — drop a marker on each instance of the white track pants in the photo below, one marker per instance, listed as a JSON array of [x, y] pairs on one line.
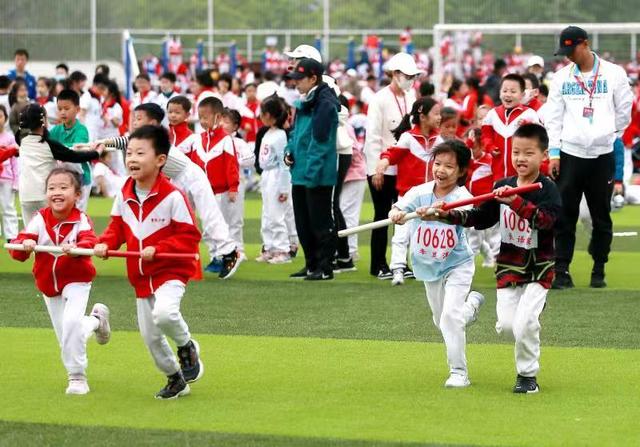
[[351, 198], [8, 210], [215, 231], [486, 242], [159, 317], [72, 327], [273, 226], [400, 246], [451, 313], [233, 215], [518, 311]]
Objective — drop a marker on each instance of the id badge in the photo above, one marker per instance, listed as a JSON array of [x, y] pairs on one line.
[[587, 112]]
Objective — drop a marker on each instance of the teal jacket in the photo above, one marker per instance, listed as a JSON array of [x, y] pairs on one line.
[[312, 142]]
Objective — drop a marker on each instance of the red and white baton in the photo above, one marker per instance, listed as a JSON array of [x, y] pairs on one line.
[[110, 253], [447, 206]]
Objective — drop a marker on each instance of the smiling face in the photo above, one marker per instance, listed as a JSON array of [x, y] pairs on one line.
[[527, 156], [142, 162], [62, 194], [176, 114], [510, 93], [140, 118], [446, 171]]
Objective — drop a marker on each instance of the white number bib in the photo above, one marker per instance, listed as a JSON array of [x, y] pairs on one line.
[[515, 230], [434, 241]]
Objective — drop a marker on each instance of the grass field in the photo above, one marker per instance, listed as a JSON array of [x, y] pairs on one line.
[[353, 362]]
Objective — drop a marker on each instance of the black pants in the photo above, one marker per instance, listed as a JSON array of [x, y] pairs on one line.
[[382, 202], [344, 160], [313, 211], [594, 178]]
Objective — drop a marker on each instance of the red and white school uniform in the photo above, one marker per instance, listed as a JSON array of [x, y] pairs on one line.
[[412, 156], [480, 181], [159, 218], [205, 93], [498, 128], [8, 185], [64, 281]]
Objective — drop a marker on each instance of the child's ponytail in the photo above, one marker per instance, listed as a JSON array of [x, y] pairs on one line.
[[421, 107], [33, 117]]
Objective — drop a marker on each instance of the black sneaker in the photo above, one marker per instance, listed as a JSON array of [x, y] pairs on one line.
[[175, 387], [384, 273], [230, 263], [562, 281], [526, 385], [293, 250], [301, 274], [343, 266], [408, 273], [597, 280], [319, 275], [190, 363]]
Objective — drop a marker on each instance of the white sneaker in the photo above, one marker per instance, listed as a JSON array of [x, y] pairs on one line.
[[103, 332], [242, 257], [457, 381], [489, 263], [77, 384], [280, 258], [264, 256], [398, 277], [476, 300]]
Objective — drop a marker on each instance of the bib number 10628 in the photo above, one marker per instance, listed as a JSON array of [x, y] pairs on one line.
[[435, 243]]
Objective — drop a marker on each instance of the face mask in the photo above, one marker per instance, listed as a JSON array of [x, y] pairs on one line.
[[528, 96], [404, 83], [59, 77]]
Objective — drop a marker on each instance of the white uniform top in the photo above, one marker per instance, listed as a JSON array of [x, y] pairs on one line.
[[271, 157], [93, 115], [436, 247]]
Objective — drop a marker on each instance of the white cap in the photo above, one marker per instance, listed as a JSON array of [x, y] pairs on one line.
[[535, 60], [305, 51], [352, 73], [404, 63]]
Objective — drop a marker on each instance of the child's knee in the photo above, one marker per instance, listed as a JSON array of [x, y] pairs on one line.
[[163, 316], [504, 327], [451, 320], [524, 327]]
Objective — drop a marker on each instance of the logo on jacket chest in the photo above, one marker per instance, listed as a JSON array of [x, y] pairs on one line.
[[575, 88]]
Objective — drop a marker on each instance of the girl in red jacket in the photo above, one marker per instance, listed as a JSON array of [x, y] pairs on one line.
[[412, 155], [65, 280]]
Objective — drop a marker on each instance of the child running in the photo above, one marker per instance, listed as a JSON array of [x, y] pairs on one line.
[[441, 256], [412, 155], [151, 215], [526, 259], [65, 280]]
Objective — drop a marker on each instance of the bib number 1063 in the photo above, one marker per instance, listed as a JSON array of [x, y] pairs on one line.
[[444, 238]]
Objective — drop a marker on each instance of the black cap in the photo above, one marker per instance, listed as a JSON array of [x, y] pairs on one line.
[[570, 37], [306, 68]]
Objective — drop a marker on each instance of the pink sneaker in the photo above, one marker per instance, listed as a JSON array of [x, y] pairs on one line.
[[280, 258]]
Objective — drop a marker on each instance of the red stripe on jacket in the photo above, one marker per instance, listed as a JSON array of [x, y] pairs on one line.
[[215, 153]]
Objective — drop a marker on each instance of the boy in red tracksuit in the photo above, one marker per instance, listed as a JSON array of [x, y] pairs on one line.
[[501, 122], [214, 151], [480, 181], [151, 215], [178, 110], [64, 280]]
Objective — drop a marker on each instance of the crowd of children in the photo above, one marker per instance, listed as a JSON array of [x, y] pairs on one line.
[[427, 151]]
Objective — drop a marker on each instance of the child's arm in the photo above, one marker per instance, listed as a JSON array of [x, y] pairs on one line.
[[481, 217], [86, 238], [28, 237], [7, 153], [62, 153], [185, 235], [541, 215]]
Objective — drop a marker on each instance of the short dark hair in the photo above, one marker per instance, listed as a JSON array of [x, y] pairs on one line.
[[544, 90], [427, 88], [104, 69], [213, 103], [226, 77], [182, 101], [69, 95], [169, 76], [77, 76], [101, 79], [233, 115], [535, 132], [64, 66], [461, 152], [21, 52], [535, 82], [157, 135], [73, 175], [5, 82], [204, 78], [513, 77], [143, 76], [153, 111], [447, 113], [499, 64]]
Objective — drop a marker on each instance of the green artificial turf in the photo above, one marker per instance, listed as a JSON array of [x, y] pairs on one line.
[[353, 362]]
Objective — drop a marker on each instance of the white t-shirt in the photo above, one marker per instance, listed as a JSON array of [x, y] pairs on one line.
[[108, 130], [113, 182], [93, 115]]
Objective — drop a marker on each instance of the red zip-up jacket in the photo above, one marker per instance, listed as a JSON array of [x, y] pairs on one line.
[[54, 272], [163, 220], [5, 154], [215, 153], [412, 155], [178, 133], [497, 131], [480, 175]]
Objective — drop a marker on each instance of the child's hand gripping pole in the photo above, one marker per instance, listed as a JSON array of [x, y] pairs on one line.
[[447, 206], [110, 253]]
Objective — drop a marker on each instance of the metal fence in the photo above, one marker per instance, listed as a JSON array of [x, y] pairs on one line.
[[92, 29]]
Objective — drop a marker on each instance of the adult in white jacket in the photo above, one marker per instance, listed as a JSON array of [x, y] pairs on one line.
[[589, 105], [386, 110]]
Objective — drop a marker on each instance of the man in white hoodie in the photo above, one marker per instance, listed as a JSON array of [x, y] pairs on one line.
[[589, 105]]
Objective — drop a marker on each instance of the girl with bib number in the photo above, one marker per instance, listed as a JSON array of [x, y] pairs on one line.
[[441, 256]]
